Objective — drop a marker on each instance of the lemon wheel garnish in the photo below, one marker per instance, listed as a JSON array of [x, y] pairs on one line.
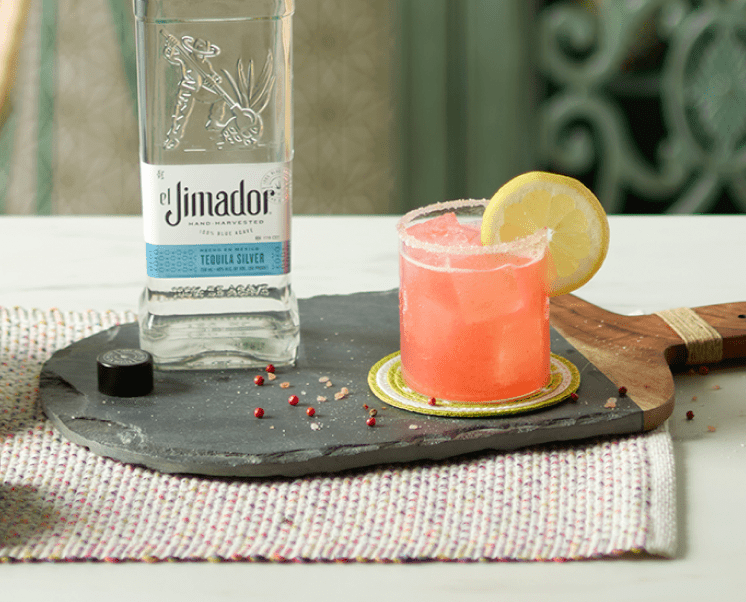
[[576, 221]]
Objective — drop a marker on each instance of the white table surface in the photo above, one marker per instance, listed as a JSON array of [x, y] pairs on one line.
[[654, 263]]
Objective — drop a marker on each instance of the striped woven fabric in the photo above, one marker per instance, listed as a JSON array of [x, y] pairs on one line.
[[58, 501]]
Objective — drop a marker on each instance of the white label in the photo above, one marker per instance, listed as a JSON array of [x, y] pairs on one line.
[[216, 220]]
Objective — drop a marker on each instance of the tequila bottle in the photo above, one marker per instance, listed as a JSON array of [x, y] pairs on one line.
[[216, 150]]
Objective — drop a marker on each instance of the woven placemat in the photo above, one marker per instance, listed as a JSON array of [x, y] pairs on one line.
[[58, 501]]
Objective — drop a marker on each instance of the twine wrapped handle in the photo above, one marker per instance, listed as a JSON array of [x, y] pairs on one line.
[[704, 344]]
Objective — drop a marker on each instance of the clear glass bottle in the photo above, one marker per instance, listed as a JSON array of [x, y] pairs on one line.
[[216, 150]]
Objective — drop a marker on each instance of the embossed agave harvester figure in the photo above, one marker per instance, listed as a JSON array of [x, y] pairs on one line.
[[236, 115]]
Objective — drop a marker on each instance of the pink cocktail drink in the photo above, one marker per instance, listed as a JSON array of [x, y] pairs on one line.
[[474, 320]]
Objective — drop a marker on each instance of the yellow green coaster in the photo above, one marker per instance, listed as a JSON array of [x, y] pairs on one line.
[[387, 383]]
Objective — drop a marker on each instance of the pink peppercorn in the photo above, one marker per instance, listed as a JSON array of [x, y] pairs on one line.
[[371, 421], [310, 411], [293, 400], [270, 368], [259, 380], [258, 412]]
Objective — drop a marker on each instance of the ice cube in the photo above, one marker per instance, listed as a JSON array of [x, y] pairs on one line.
[[486, 295], [446, 230]]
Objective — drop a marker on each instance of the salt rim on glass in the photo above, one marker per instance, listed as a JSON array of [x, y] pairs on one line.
[[532, 246]]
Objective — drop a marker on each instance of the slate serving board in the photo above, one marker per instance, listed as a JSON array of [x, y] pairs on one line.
[[202, 422]]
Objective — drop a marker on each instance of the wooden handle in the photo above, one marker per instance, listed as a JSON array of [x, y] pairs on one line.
[[637, 351], [729, 319], [598, 326]]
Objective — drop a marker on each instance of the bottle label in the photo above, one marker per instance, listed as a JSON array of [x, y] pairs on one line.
[[216, 220]]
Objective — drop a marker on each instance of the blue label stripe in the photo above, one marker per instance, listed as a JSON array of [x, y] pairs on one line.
[[195, 261]]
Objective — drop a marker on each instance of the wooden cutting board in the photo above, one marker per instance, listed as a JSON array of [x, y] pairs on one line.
[[202, 422], [639, 352]]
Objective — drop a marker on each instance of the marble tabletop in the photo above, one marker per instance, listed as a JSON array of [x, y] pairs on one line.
[[654, 263]]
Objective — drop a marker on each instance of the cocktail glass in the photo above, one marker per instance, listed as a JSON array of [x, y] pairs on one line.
[[474, 320]]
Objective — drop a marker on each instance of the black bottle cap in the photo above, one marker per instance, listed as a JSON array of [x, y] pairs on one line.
[[125, 372]]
